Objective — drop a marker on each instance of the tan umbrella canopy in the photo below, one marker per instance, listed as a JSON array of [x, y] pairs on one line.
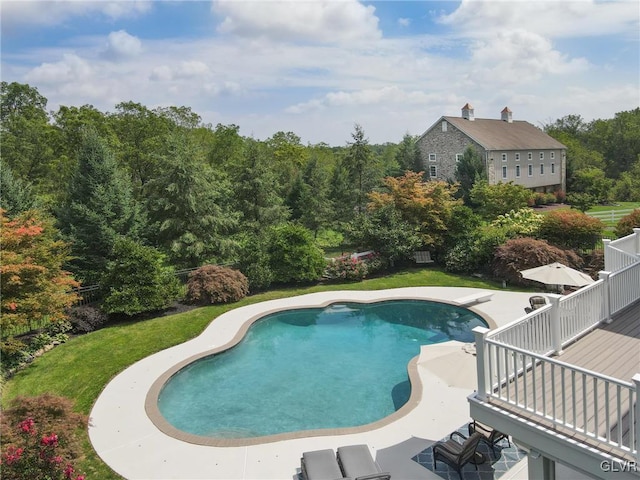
[[557, 274]]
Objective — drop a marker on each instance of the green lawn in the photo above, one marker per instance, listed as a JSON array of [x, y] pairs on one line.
[[81, 368]]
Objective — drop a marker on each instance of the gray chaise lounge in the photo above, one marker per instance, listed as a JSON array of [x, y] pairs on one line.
[[356, 462], [320, 465]]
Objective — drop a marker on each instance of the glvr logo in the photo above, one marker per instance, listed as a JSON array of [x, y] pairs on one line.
[[619, 466]]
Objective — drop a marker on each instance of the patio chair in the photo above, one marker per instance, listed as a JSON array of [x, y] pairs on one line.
[[356, 462], [537, 301], [491, 436], [320, 465], [456, 454]]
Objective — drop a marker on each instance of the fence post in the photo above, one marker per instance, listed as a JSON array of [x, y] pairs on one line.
[[604, 276], [556, 337], [607, 254], [636, 231], [480, 334], [636, 381]]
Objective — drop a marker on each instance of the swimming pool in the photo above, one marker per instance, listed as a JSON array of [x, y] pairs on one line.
[[308, 369]]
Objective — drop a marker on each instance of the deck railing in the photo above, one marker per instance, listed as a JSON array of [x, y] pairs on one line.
[[622, 252], [514, 365], [591, 404]]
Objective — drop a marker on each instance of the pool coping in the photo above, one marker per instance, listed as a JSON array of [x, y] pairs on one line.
[[153, 412], [125, 438]]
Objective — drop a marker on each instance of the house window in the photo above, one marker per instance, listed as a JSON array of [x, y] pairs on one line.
[[517, 157], [433, 170], [541, 155], [432, 157], [530, 170], [542, 169], [504, 171], [444, 125], [553, 168], [517, 171], [530, 155], [458, 157], [552, 155], [504, 157]]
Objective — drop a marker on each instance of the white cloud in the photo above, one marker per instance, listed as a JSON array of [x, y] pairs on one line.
[[53, 12], [317, 21], [518, 55], [404, 22], [554, 19], [71, 68], [390, 94], [121, 45]]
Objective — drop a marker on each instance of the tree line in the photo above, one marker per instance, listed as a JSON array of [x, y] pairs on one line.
[[161, 185]]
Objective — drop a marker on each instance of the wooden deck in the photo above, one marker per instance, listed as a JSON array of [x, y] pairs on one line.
[[568, 397]]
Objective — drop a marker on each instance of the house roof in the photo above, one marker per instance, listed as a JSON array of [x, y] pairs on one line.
[[501, 135]]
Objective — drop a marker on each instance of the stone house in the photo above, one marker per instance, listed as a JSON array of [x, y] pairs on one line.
[[512, 150]]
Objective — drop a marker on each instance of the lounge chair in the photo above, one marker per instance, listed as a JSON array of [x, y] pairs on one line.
[[356, 462], [490, 435], [456, 454], [537, 301], [320, 465]]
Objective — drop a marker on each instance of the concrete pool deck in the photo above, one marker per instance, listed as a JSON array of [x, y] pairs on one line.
[[130, 443]]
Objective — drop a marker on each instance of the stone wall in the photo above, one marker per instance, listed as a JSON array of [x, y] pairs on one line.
[[445, 146]]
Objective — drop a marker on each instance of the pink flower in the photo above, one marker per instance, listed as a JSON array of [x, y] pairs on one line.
[[12, 455], [68, 471], [50, 441], [27, 426], [80, 477], [57, 460]]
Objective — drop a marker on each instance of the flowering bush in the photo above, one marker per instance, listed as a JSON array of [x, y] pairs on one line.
[[346, 268], [627, 223], [37, 458], [523, 222], [39, 441]]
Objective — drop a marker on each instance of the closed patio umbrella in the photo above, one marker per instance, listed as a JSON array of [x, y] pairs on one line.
[[557, 274]]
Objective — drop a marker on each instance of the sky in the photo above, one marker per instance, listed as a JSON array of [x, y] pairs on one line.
[[316, 68]]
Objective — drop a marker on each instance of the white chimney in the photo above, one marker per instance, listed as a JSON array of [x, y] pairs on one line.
[[506, 115], [467, 112]]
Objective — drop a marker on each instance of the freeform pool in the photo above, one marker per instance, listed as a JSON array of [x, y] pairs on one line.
[[307, 369]]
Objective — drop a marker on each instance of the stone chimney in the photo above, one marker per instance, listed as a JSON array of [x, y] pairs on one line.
[[506, 115], [467, 112]]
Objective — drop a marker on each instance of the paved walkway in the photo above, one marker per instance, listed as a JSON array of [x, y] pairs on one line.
[[130, 443]]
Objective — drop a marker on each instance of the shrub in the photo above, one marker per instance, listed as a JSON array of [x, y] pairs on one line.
[[137, 280], [346, 268], [521, 253], [571, 229], [13, 352], [254, 262], [539, 199], [494, 200], [581, 201], [215, 284], [549, 198], [293, 254], [627, 223], [523, 222], [475, 253], [86, 318], [40, 436], [561, 196]]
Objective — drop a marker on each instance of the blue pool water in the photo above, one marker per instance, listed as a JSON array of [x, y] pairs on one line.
[[341, 366]]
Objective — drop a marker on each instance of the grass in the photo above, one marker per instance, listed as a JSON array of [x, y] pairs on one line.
[[82, 367]]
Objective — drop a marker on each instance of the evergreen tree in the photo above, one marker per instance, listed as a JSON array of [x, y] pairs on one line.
[[17, 196], [359, 161], [256, 191], [408, 154], [343, 199], [188, 207], [468, 171], [99, 208]]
